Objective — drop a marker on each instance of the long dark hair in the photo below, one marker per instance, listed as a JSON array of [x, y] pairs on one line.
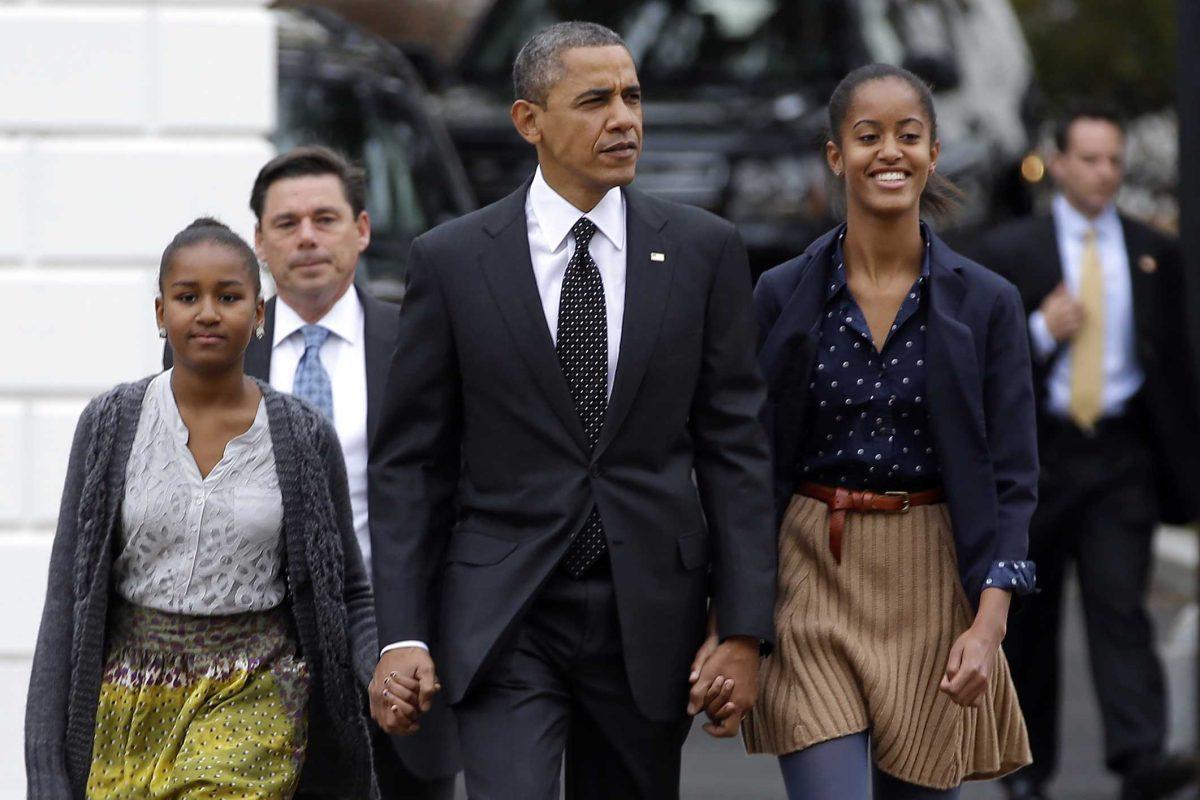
[[940, 198]]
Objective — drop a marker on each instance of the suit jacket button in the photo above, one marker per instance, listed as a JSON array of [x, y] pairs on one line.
[[595, 471]]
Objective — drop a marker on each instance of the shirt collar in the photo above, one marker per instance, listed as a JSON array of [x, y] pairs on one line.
[[556, 216], [344, 320], [837, 268], [1073, 225], [169, 411]]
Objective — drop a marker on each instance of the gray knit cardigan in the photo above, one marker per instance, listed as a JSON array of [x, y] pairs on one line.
[[329, 597]]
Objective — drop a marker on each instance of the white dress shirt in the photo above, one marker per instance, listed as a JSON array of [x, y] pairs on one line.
[[549, 218], [1123, 375], [344, 357]]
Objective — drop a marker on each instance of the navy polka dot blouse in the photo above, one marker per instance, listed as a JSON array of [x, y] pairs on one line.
[[868, 426], [868, 419]]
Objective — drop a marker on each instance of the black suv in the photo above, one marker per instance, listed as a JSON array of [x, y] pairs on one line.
[[735, 94], [345, 88]]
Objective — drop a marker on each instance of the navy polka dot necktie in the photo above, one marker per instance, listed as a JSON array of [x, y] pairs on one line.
[[582, 347]]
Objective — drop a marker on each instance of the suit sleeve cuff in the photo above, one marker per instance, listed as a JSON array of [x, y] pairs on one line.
[[405, 643], [1018, 577], [1044, 344]]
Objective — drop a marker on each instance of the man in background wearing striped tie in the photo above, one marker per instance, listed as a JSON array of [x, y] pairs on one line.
[[1119, 439]]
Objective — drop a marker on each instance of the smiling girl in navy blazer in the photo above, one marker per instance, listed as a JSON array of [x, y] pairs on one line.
[[901, 413]]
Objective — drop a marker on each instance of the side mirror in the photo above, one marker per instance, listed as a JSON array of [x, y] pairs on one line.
[[939, 71]]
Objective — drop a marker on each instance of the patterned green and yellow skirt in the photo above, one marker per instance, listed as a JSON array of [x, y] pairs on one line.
[[199, 707]]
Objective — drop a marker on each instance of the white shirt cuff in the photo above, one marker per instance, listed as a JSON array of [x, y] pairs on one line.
[[1044, 344], [405, 643]]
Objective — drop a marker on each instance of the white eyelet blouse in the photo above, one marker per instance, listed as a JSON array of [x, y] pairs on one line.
[[203, 546]]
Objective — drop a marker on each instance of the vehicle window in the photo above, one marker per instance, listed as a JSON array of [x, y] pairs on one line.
[[754, 44], [408, 190], [899, 29]]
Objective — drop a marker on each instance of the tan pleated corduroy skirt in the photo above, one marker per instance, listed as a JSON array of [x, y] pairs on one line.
[[862, 646]]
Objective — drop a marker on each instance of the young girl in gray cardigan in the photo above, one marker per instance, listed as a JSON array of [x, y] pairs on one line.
[[208, 622]]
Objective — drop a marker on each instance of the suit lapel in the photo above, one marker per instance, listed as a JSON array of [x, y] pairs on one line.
[[1141, 282], [788, 354], [1046, 260], [952, 374], [797, 325], [647, 285], [258, 352], [380, 325], [508, 271]]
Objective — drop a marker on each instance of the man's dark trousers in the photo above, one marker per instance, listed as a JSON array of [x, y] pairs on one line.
[[562, 679], [1098, 513]]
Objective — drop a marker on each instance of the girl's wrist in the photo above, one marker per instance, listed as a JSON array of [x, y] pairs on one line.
[[991, 620], [990, 629]]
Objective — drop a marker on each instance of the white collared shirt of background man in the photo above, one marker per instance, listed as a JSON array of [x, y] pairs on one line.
[[1123, 375], [344, 357]]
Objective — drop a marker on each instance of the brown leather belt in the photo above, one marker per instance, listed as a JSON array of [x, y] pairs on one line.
[[840, 500]]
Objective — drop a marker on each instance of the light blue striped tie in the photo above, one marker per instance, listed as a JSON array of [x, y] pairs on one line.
[[312, 381]]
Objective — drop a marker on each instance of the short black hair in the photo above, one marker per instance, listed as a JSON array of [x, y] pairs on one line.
[[207, 230], [538, 65], [311, 160], [1084, 109]]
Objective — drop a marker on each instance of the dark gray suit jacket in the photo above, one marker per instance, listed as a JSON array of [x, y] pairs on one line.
[[433, 752], [481, 473]]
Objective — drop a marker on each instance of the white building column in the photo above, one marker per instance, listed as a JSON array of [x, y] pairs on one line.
[[120, 122]]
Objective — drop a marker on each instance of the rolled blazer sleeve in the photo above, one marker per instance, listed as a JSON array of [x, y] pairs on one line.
[[732, 461], [1010, 415]]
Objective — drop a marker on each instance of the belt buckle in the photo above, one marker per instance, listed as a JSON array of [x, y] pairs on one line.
[[905, 495]]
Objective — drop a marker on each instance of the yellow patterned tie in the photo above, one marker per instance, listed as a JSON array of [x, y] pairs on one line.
[[1087, 348]]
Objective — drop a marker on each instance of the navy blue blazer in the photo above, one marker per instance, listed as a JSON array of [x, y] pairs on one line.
[[979, 392]]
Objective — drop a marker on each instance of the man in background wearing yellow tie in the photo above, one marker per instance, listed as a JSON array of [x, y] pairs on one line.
[[1119, 439]]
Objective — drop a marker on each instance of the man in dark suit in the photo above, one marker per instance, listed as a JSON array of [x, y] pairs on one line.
[[570, 465], [1119, 437], [332, 346]]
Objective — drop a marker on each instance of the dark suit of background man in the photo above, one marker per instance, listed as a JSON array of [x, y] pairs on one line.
[[1118, 436], [332, 347], [583, 348]]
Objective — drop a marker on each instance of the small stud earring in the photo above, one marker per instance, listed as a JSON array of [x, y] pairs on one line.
[[162, 333], [260, 331]]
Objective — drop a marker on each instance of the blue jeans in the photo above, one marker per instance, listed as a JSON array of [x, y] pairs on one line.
[[841, 769]]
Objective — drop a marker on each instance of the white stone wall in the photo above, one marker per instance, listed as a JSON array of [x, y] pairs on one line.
[[120, 122]]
